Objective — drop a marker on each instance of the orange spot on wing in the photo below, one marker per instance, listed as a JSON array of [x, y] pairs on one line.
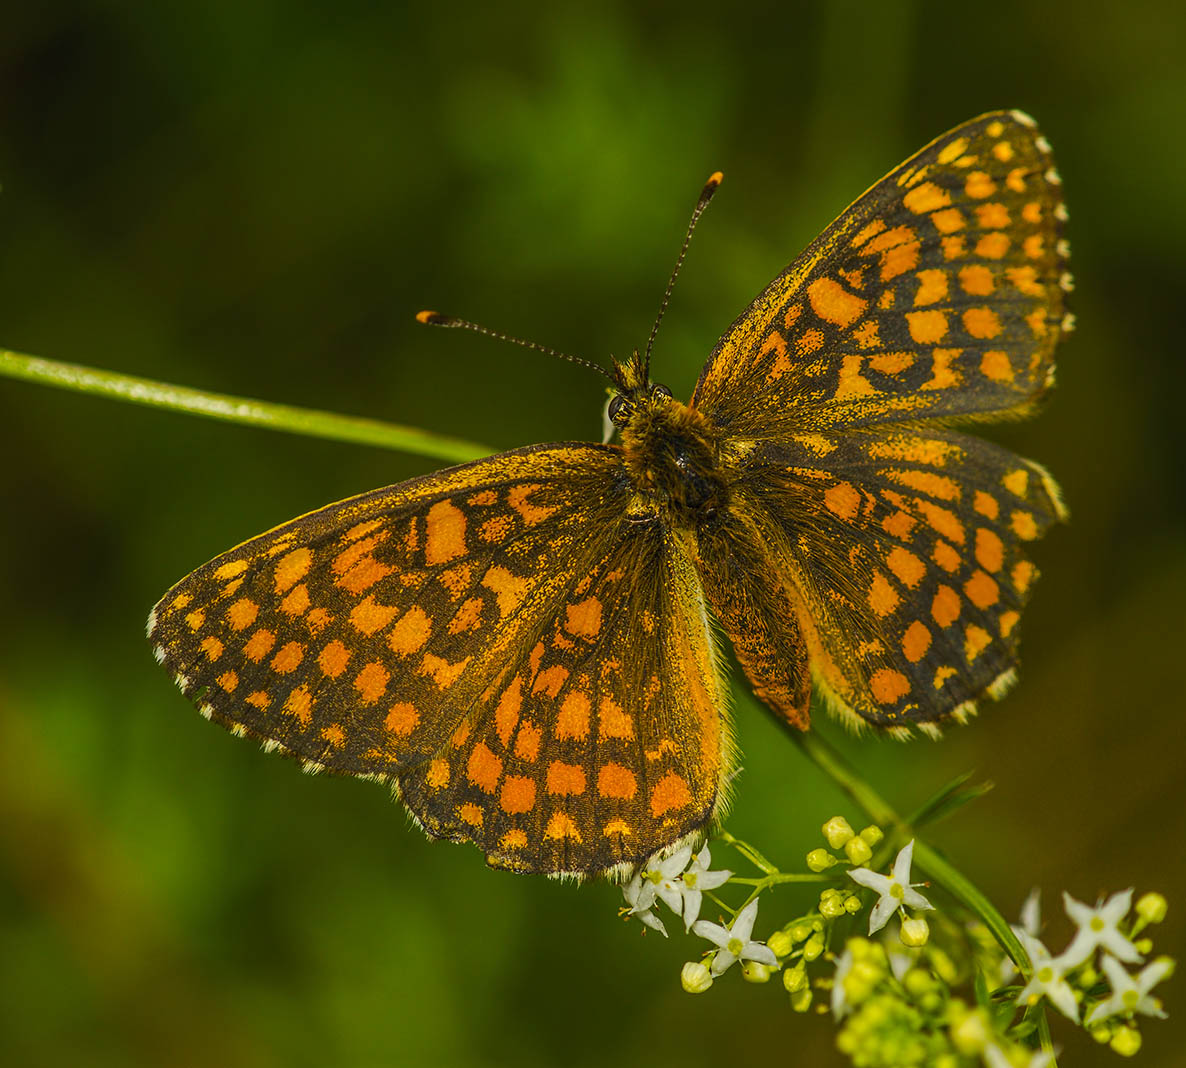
[[976, 640], [369, 616], [945, 608], [980, 185], [888, 686], [288, 658], [899, 525], [296, 602], [617, 826], [443, 673], [1023, 525], [908, 568], [932, 287], [612, 721], [990, 551], [833, 303], [292, 568], [300, 704], [211, 647], [925, 198], [259, 700], [517, 795], [506, 714], [484, 768], [945, 556], [992, 216], [982, 590], [565, 780], [982, 322], [242, 613], [438, 774], [573, 719], [915, 642], [1023, 575], [402, 718], [948, 221], [410, 633], [508, 590], [613, 780], [926, 482], [584, 618], [195, 619], [670, 792], [811, 340], [226, 571], [561, 825], [371, 682], [891, 363], [228, 680], [994, 364], [842, 499], [470, 813], [514, 839], [942, 521], [445, 538], [550, 680], [883, 598], [993, 245], [1008, 622], [530, 513], [986, 504], [468, 616], [976, 280], [927, 327], [259, 645], [527, 741]]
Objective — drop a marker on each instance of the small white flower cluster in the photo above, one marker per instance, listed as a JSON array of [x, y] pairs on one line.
[[680, 885], [1097, 927]]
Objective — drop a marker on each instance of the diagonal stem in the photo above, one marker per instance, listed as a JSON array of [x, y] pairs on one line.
[[242, 410]]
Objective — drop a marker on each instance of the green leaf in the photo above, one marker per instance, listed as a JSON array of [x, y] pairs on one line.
[[950, 798]]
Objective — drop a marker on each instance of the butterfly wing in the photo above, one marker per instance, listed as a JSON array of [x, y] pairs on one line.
[[938, 293], [903, 554], [463, 637]]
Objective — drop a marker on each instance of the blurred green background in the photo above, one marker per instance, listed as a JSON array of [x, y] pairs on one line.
[[256, 197]]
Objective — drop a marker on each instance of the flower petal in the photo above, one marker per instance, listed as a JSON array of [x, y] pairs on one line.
[[722, 961], [902, 863], [714, 932], [760, 952], [886, 906], [870, 879]]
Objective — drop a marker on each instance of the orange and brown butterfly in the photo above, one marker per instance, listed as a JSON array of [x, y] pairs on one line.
[[524, 647]]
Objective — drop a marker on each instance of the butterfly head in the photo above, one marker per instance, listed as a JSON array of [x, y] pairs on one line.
[[636, 393]]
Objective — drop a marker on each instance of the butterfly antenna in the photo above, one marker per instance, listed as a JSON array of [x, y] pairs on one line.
[[432, 318], [706, 193]]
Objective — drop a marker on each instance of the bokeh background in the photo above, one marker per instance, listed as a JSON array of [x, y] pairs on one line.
[[255, 197]]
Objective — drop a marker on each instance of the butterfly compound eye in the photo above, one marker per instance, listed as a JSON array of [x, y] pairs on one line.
[[660, 390], [619, 408]]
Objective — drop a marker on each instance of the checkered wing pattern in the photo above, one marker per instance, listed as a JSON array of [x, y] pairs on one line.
[[939, 292], [904, 554], [490, 640]]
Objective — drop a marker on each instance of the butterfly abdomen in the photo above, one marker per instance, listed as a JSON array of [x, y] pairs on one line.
[[672, 457]]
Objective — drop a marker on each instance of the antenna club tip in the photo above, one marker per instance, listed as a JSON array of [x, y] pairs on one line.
[[429, 317], [715, 179]]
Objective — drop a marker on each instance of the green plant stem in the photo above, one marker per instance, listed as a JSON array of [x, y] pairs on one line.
[[242, 410], [926, 857]]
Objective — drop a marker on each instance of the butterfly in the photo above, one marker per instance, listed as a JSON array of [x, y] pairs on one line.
[[526, 648]]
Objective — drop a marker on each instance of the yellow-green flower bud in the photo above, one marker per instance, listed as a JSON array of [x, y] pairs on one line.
[[944, 967], [1152, 907], [801, 932], [801, 999], [780, 943], [1126, 1041], [837, 831], [872, 834], [862, 980], [753, 971], [794, 979], [695, 977], [1144, 945], [1101, 1032], [831, 906], [918, 982], [857, 850], [813, 948], [821, 860], [971, 1034], [852, 904], [915, 932]]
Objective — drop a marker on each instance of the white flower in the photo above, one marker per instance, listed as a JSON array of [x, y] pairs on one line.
[[734, 941], [696, 880], [1131, 993], [1049, 978], [839, 999], [895, 889], [640, 892], [1031, 923], [1097, 927]]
